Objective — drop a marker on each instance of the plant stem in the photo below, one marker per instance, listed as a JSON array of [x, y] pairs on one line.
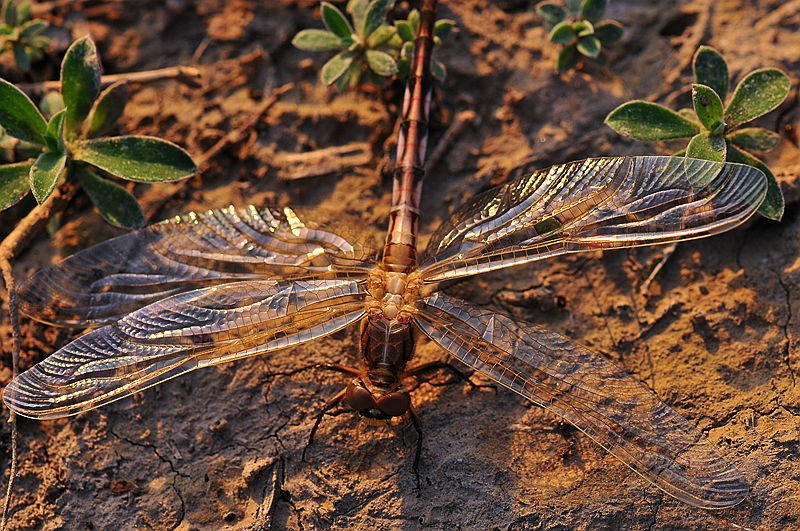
[[235, 135], [167, 191], [334, 159], [186, 74], [13, 243]]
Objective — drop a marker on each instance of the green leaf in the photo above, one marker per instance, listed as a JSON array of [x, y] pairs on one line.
[[442, 28], [403, 67], [381, 63], [316, 40], [137, 158], [396, 42], [562, 34], [404, 30], [574, 6], [40, 42], [413, 19], [583, 28], [439, 70], [380, 36], [107, 109], [589, 46], [19, 116], [690, 115], [336, 67], [551, 14], [592, 10], [10, 13], [335, 21], [708, 107], [773, 205], [404, 59], [755, 138], [54, 136], [32, 28], [759, 92], [21, 56], [707, 147], [407, 51], [14, 183], [115, 204], [711, 70], [80, 83], [608, 31], [567, 59], [24, 11], [46, 173], [358, 10], [351, 77], [643, 120], [376, 15]]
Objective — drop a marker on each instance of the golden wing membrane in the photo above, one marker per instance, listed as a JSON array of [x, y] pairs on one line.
[[104, 282], [601, 400], [593, 204], [181, 333]]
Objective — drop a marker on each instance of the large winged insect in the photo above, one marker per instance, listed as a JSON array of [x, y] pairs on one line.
[[207, 288]]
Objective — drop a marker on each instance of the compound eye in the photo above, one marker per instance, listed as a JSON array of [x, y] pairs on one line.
[[359, 398], [394, 404]]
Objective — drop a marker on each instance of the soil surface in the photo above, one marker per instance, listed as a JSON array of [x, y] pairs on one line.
[[715, 336]]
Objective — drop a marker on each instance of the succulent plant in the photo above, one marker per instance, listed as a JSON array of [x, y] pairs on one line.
[[21, 34], [717, 130], [369, 49], [71, 145], [579, 29]]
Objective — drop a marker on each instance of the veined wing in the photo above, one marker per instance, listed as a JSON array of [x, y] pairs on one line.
[[598, 398], [104, 282], [179, 334], [593, 204]]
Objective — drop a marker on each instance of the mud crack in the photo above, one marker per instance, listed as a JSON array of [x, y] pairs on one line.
[[175, 473]]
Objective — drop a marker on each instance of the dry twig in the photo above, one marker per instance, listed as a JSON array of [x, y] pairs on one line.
[[185, 74], [9, 247]]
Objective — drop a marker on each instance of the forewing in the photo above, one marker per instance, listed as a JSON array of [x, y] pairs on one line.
[[603, 401], [593, 204], [179, 334], [106, 281]]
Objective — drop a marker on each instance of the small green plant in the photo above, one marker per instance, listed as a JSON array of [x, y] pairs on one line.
[[21, 34], [71, 145], [368, 48], [716, 130], [579, 29], [402, 43]]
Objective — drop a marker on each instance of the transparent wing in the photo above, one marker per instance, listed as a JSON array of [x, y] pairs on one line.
[[106, 281], [593, 204], [179, 334], [598, 398]]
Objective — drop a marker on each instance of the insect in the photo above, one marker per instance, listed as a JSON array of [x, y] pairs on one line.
[[207, 288]]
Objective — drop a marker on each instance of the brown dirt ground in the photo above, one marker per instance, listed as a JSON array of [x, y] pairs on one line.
[[716, 337]]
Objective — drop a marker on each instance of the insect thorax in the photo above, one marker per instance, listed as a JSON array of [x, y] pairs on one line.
[[393, 296]]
